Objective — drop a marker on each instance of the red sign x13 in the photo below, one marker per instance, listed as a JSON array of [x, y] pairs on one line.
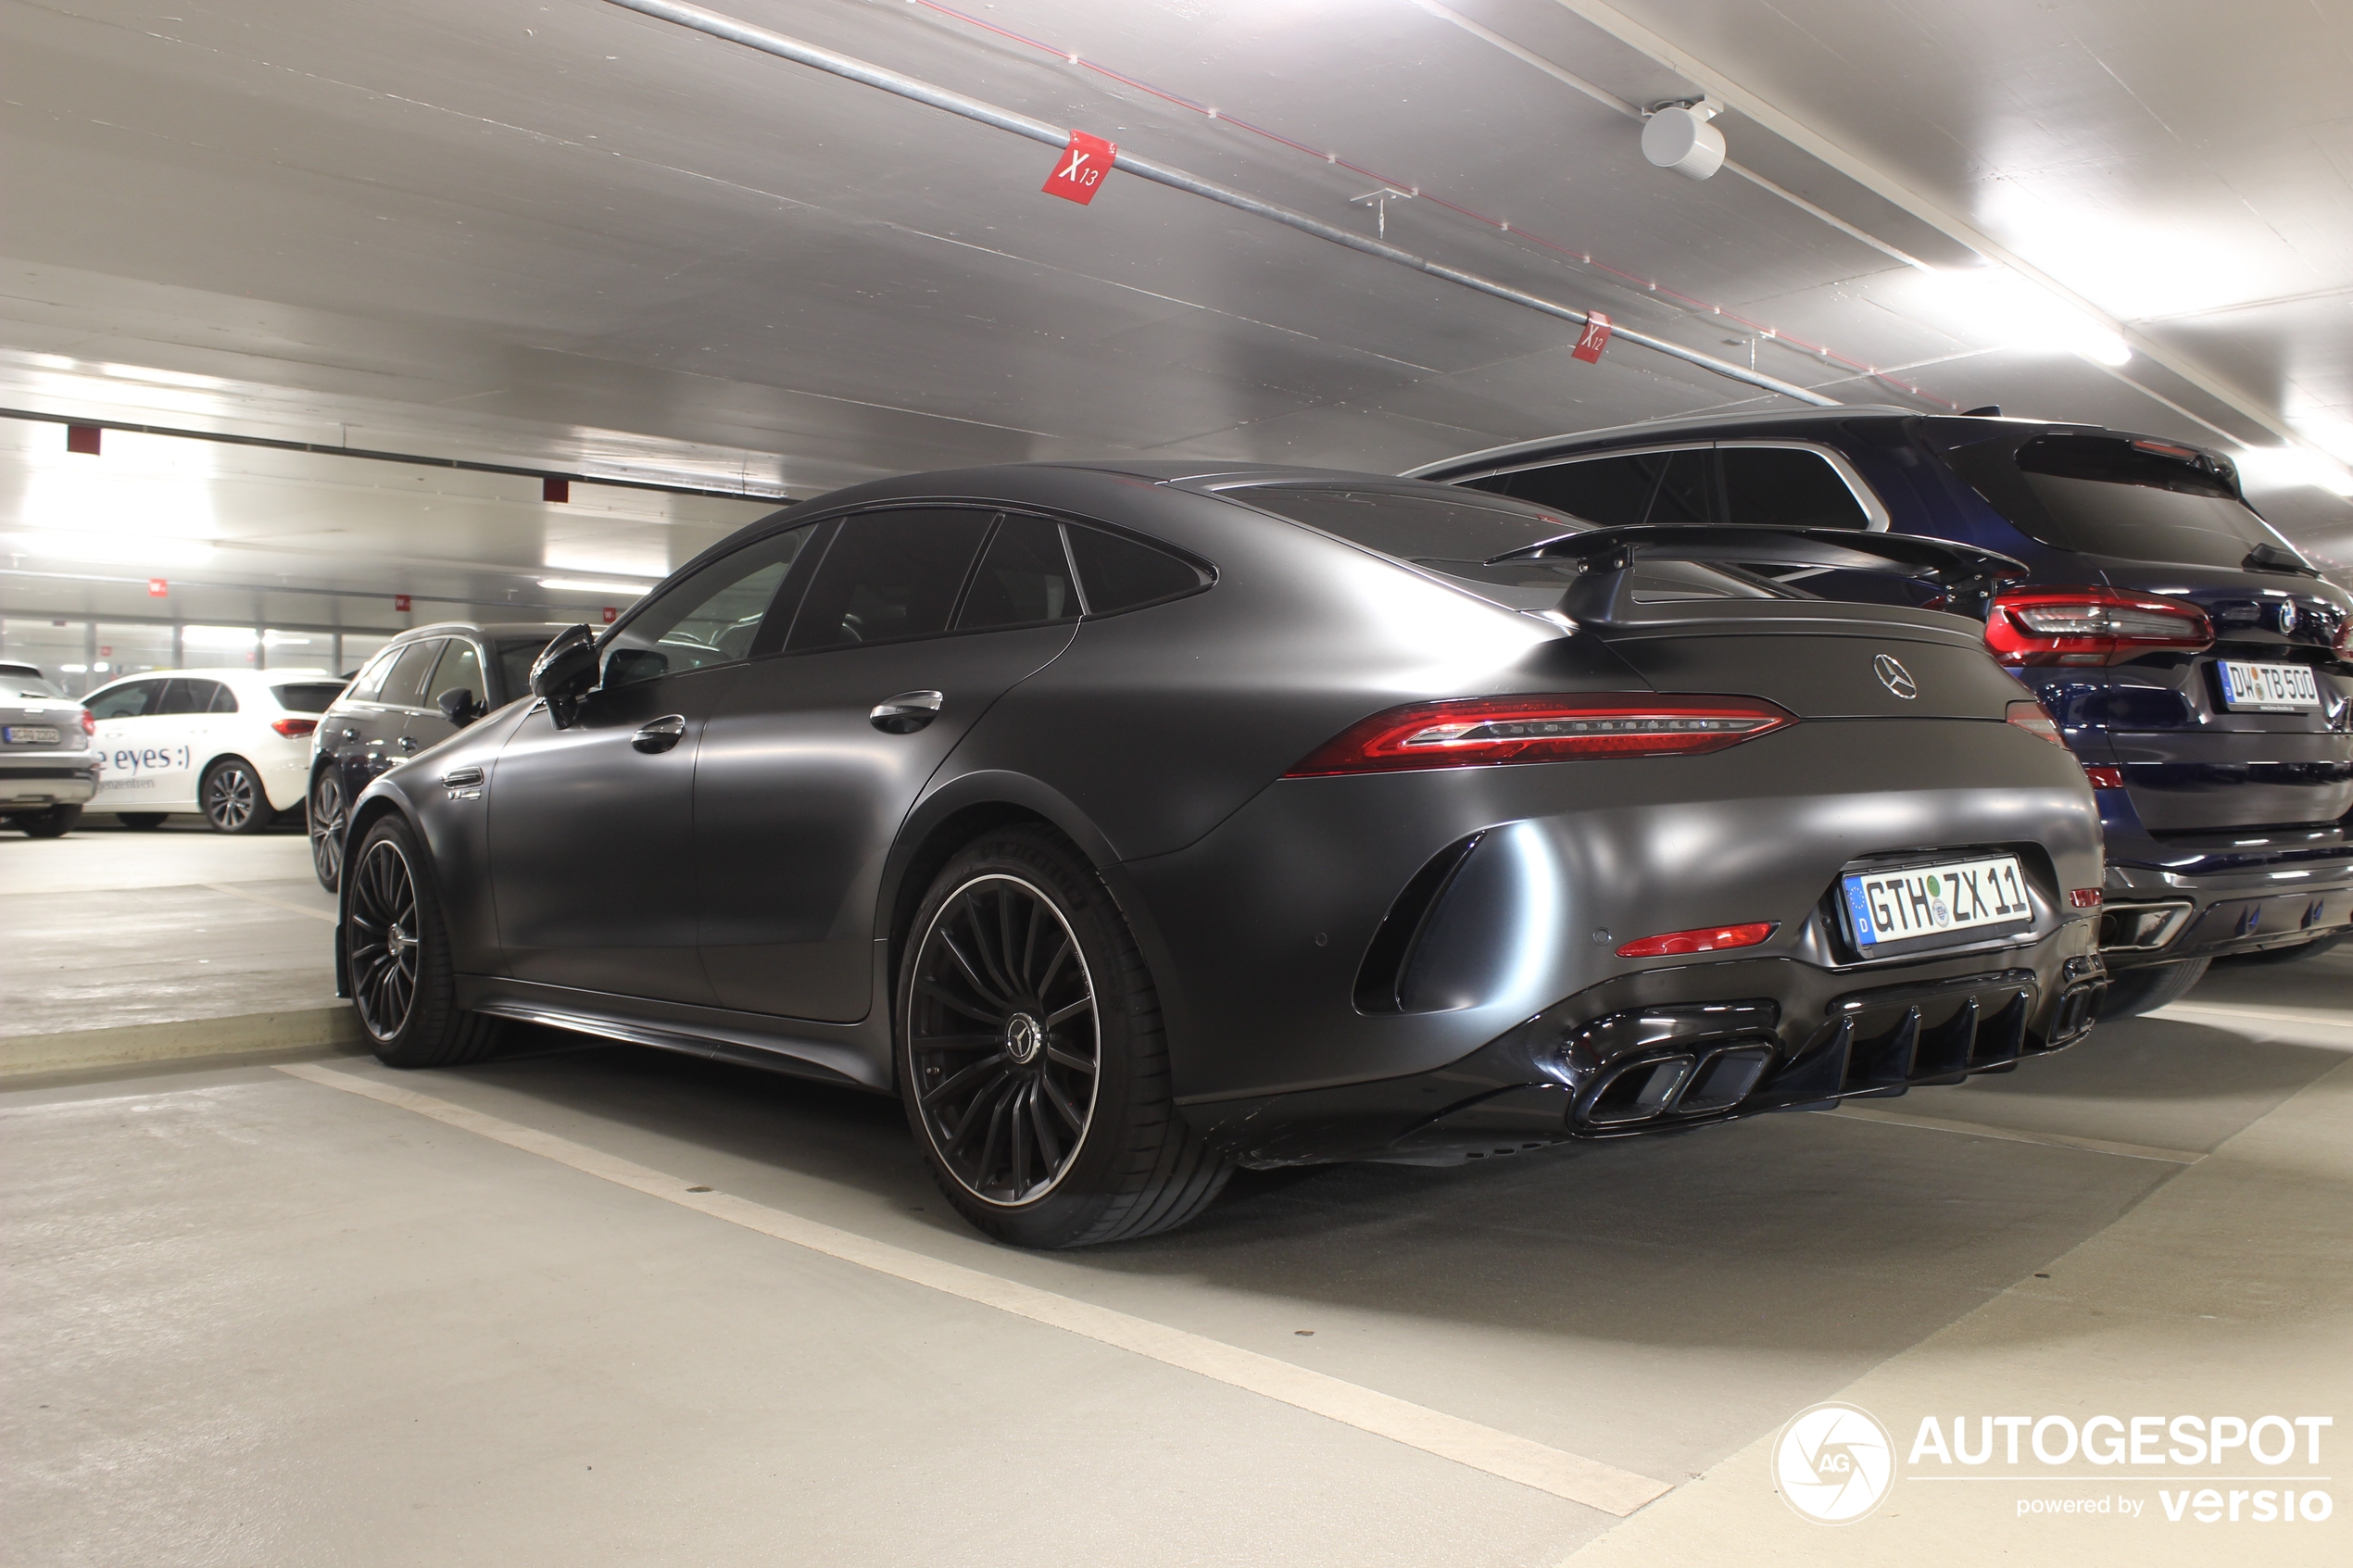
[[1079, 171]]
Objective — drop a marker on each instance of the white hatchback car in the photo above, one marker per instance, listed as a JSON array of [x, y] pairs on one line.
[[232, 743]]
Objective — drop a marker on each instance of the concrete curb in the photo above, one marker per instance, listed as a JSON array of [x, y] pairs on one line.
[[253, 1034]]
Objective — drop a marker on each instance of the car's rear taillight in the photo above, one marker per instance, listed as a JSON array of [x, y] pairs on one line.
[[89, 723], [2101, 776], [290, 728], [1563, 727], [2091, 626], [2036, 721]]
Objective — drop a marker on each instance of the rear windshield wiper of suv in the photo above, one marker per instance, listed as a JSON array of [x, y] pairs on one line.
[[2268, 557]]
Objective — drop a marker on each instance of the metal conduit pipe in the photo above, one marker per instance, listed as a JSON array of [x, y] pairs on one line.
[[776, 44]]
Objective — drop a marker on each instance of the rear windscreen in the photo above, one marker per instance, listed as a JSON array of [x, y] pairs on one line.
[[1412, 524], [307, 696], [2107, 496], [1457, 535]]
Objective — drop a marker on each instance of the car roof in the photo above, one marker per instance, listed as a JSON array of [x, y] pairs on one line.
[[230, 675], [485, 628], [1667, 430]]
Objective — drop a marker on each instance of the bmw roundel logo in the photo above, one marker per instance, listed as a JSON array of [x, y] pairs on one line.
[[2284, 617], [1894, 677]]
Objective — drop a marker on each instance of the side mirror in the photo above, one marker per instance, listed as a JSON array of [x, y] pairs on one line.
[[457, 706], [563, 673]]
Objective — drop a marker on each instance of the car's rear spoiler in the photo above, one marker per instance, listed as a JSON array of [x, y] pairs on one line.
[[1964, 577]]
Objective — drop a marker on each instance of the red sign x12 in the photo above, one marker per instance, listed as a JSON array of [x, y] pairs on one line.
[[1594, 339], [1079, 169]]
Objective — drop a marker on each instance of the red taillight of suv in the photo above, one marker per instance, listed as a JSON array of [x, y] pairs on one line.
[[2091, 626], [89, 723], [1566, 727], [294, 728]]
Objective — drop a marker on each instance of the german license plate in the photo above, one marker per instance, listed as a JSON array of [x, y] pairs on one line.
[[1921, 902], [2275, 688], [30, 734]]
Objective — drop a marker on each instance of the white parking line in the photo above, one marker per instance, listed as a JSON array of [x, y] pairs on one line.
[[1562, 1474], [1853, 1112]]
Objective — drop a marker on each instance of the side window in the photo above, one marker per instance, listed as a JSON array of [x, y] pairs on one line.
[[1783, 487], [1023, 578], [134, 700], [710, 618], [889, 575], [184, 696], [1685, 490], [220, 699], [405, 683], [370, 681], [1120, 573], [1613, 492], [459, 670]]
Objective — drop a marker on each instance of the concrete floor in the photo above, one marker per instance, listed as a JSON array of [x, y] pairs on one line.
[[106, 927], [254, 1318]]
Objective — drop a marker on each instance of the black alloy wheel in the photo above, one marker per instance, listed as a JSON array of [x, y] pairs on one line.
[[326, 830], [1003, 1039], [232, 800], [397, 953], [1031, 1058], [382, 926]]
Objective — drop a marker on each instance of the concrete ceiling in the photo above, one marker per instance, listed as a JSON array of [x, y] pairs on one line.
[[562, 235]]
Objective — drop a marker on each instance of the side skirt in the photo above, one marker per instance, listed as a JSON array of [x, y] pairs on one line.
[[829, 1053]]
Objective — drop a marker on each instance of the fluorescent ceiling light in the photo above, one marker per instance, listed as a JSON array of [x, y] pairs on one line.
[[2281, 467], [121, 549], [594, 586], [2017, 314]]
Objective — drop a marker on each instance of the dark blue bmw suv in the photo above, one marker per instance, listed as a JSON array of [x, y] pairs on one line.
[[2196, 663]]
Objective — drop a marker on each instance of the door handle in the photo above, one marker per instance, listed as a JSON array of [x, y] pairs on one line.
[[906, 713], [659, 734]]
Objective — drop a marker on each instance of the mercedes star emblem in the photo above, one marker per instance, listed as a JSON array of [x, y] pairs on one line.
[[1894, 677]]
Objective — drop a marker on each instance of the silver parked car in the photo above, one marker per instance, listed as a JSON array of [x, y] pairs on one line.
[[48, 766]]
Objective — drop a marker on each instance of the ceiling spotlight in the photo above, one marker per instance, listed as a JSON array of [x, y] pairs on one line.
[[1675, 135]]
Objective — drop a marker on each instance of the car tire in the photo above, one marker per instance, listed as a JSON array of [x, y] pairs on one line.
[[55, 823], [326, 827], [2135, 991], [141, 822], [1019, 989], [231, 797], [403, 981], [2312, 949]]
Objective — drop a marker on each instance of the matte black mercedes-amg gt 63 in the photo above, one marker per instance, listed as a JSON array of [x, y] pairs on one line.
[[1134, 822]]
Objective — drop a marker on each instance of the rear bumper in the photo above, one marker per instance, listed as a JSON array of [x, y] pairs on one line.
[[1346, 958], [2194, 897], [1672, 1049], [31, 783]]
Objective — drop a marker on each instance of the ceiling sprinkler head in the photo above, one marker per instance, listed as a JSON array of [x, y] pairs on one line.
[[1677, 136]]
